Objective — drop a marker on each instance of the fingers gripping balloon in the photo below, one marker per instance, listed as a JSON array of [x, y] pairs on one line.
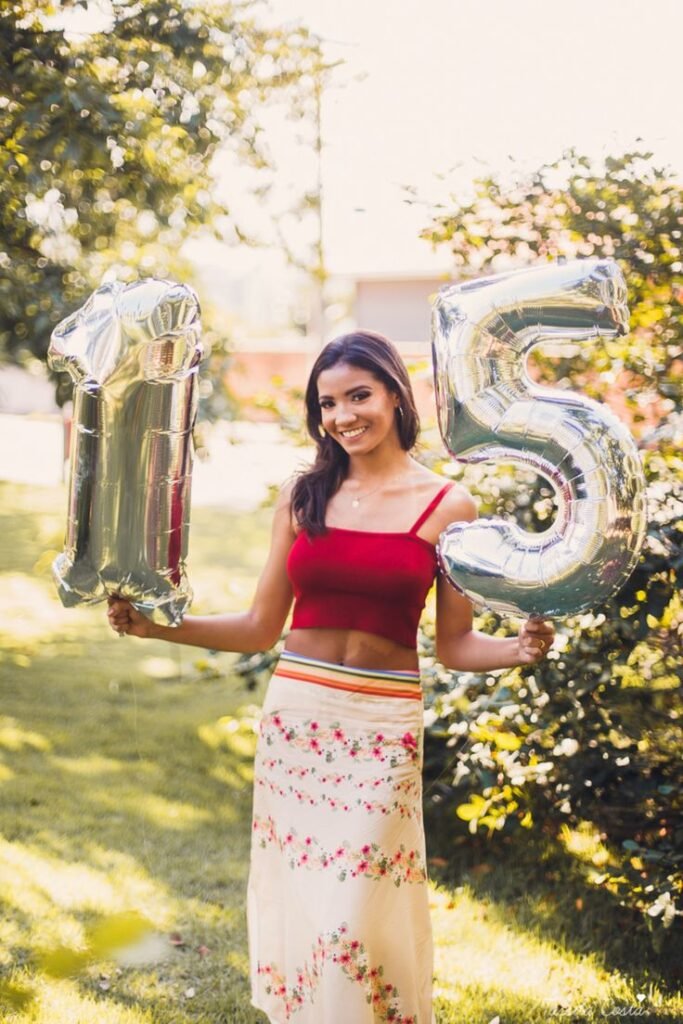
[[489, 409], [133, 352]]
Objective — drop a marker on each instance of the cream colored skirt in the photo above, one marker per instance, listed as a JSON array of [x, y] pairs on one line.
[[337, 905]]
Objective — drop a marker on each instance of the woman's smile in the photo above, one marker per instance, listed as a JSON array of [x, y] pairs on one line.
[[350, 433]]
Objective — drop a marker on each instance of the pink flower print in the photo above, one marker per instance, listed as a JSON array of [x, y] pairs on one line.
[[365, 849], [314, 726], [339, 734], [377, 752], [308, 840], [409, 741], [379, 737], [277, 720]]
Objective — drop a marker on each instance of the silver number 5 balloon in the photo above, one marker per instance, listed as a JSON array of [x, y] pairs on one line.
[[133, 352], [489, 409]]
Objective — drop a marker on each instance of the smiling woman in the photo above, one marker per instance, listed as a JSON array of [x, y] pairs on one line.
[[337, 904]]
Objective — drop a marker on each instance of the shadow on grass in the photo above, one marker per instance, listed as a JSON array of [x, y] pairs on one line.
[[532, 883], [113, 800], [118, 790]]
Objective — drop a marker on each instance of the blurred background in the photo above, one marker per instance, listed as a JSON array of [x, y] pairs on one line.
[[296, 162], [310, 166]]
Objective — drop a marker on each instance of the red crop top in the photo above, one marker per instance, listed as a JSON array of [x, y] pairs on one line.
[[365, 580]]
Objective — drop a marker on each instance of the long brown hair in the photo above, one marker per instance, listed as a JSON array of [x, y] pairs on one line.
[[368, 351]]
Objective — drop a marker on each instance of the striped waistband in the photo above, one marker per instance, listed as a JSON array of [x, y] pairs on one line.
[[345, 677]]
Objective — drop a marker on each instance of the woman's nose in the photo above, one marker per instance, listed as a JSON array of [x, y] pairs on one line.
[[344, 416]]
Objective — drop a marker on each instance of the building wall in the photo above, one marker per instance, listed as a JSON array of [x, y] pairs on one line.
[[400, 309]]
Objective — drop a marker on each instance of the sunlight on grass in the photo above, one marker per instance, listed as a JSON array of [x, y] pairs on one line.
[[156, 809], [30, 610], [13, 737], [93, 764], [234, 732], [48, 890], [240, 777], [475, 946], [160, 668], [62, 1002]]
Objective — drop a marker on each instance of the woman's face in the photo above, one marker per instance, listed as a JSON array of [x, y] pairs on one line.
[[357, 409]]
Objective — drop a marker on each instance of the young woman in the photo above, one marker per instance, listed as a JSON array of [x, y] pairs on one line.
[[337, 904]]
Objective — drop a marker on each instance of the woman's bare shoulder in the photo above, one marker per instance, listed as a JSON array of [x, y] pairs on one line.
[[286, 489], [283, 505], [457, 504]]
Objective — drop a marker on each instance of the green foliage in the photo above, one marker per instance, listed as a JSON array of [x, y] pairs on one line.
[[629, 210], [107, 138], [590, 737]]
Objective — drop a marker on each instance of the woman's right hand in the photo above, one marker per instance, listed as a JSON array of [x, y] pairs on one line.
[[125, 620]]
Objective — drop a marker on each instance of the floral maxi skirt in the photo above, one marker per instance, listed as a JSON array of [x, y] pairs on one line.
[[337, 904]]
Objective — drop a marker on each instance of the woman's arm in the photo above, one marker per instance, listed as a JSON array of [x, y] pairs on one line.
[[464, 649], [254, 630]]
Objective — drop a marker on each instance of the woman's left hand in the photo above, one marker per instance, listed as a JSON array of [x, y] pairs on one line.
[[535, 640]]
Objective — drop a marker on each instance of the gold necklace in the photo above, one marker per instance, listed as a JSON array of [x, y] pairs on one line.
[[355, 502]]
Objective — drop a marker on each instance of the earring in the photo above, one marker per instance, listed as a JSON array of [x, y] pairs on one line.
[[321, 430], [399, 409]]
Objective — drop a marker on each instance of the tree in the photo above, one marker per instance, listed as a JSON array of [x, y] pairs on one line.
[[589, 739], [107, 139]]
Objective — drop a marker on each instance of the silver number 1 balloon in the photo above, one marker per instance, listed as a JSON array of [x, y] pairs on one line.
[[133, 353], [489, 409]]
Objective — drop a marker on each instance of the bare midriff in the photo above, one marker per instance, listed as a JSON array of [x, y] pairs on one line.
[[353, 648]]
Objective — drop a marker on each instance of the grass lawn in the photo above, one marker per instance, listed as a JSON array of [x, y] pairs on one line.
[[125, 776]]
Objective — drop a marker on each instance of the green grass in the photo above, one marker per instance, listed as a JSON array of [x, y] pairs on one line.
[[125, 778]]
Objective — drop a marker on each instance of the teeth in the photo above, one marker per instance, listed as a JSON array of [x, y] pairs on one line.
[[353, 433]]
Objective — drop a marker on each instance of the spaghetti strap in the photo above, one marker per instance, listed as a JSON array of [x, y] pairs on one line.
[[430, 507]]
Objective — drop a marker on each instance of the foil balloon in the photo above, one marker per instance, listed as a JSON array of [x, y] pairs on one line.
[[489, 409], [133, 353]]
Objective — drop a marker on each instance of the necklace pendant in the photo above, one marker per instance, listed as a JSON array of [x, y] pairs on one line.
[[355, 503]]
